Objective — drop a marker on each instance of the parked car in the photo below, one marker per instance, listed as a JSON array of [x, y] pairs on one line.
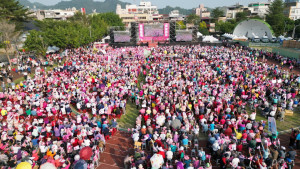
[[265, 39]]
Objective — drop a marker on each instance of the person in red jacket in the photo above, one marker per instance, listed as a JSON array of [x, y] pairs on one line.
[[161, 151]]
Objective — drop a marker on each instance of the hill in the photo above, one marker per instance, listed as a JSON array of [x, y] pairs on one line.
[[101, 7], [168, 9], [31, 5], [89, 5]]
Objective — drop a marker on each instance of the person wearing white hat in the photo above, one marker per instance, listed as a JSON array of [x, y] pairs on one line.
[[77, 157]]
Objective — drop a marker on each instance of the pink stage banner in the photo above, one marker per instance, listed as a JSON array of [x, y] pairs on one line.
[[144, 38], [141, 31], [166, 30]]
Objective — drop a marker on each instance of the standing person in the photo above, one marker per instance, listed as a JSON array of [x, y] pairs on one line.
[[293, 137], [127, 161], [298, 140], [3, 86]]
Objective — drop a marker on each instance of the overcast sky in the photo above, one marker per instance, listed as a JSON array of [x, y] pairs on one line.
[[181, 3]]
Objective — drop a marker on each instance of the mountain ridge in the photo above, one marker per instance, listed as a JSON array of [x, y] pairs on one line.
[[101, 7]]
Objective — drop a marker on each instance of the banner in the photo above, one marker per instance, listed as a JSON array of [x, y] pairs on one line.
[[83, 11], [272, 125], [141, 31], [166, 30]]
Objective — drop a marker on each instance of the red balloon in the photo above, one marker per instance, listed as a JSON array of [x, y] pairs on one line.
[[86, 153]]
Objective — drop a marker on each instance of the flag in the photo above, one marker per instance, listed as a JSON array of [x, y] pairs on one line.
[[83, 11], [272, 125]]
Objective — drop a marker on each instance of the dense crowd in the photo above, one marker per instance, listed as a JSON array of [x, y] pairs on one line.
[[216, 91], [51, 117]]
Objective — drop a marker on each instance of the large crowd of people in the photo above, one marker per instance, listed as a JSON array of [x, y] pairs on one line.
[[50, 117], [217, 91]]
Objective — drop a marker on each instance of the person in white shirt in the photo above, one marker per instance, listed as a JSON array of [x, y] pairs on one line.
[[216, 146], [169, 154], [235, 162], [253, 116]]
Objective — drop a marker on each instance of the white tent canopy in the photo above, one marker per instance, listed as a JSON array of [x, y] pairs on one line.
[[210, 39], [52, 49]]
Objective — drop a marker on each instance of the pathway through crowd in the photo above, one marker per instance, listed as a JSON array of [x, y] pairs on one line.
[[116, 149]]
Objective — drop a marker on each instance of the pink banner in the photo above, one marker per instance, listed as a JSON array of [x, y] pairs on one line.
[[166, 30], [144, 38], [141, 31]]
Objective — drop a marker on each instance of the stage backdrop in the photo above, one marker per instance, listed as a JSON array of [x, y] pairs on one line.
[[158, 32]]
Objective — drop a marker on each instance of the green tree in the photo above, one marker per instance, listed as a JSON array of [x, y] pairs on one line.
[[288, 26], [13, 11], [77, 31], [297, 31], [81, 18], [111, 19], [180, 25], [193, 18], [203, 28], [8, 35], [35, 42], [240, 16], [216, 13], [226, 27], [275, 17]]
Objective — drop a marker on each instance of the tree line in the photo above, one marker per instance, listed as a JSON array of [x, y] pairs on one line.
[[77, 31], [74, 32], [281, 24]]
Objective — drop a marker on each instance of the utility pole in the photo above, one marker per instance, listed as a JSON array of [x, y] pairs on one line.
[[294, 30], [90, 32]]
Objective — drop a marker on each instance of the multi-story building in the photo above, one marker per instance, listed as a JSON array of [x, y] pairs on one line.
[[233, 10], [143, 8], [202, 11], [176, 16], [292, 9], [57, 14], [259, 9], [145, 12]]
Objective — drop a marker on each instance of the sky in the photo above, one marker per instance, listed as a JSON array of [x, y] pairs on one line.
[[188, 4]]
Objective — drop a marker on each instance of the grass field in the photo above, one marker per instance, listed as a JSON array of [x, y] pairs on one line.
[[128, 120], [288, 123]]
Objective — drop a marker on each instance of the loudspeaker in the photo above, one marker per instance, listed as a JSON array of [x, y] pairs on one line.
[[195, 39], [133, 32], [111, 35], [172, 31]]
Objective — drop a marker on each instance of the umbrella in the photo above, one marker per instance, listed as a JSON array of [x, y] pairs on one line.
[[24, 165], [80, 164], [86, 153], [157, 161], [160, 120], [228, 131], [3, 158], [47, 166], [176, 124]]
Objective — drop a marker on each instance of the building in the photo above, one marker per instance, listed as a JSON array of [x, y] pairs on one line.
[[233, 10], [145, 12], [202, 11], [176, 16], [56, 14], [259, 9], [292, 9], [289, 1], [143, 8]]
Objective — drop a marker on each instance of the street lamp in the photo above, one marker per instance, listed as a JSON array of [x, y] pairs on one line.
[[294, 30]]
